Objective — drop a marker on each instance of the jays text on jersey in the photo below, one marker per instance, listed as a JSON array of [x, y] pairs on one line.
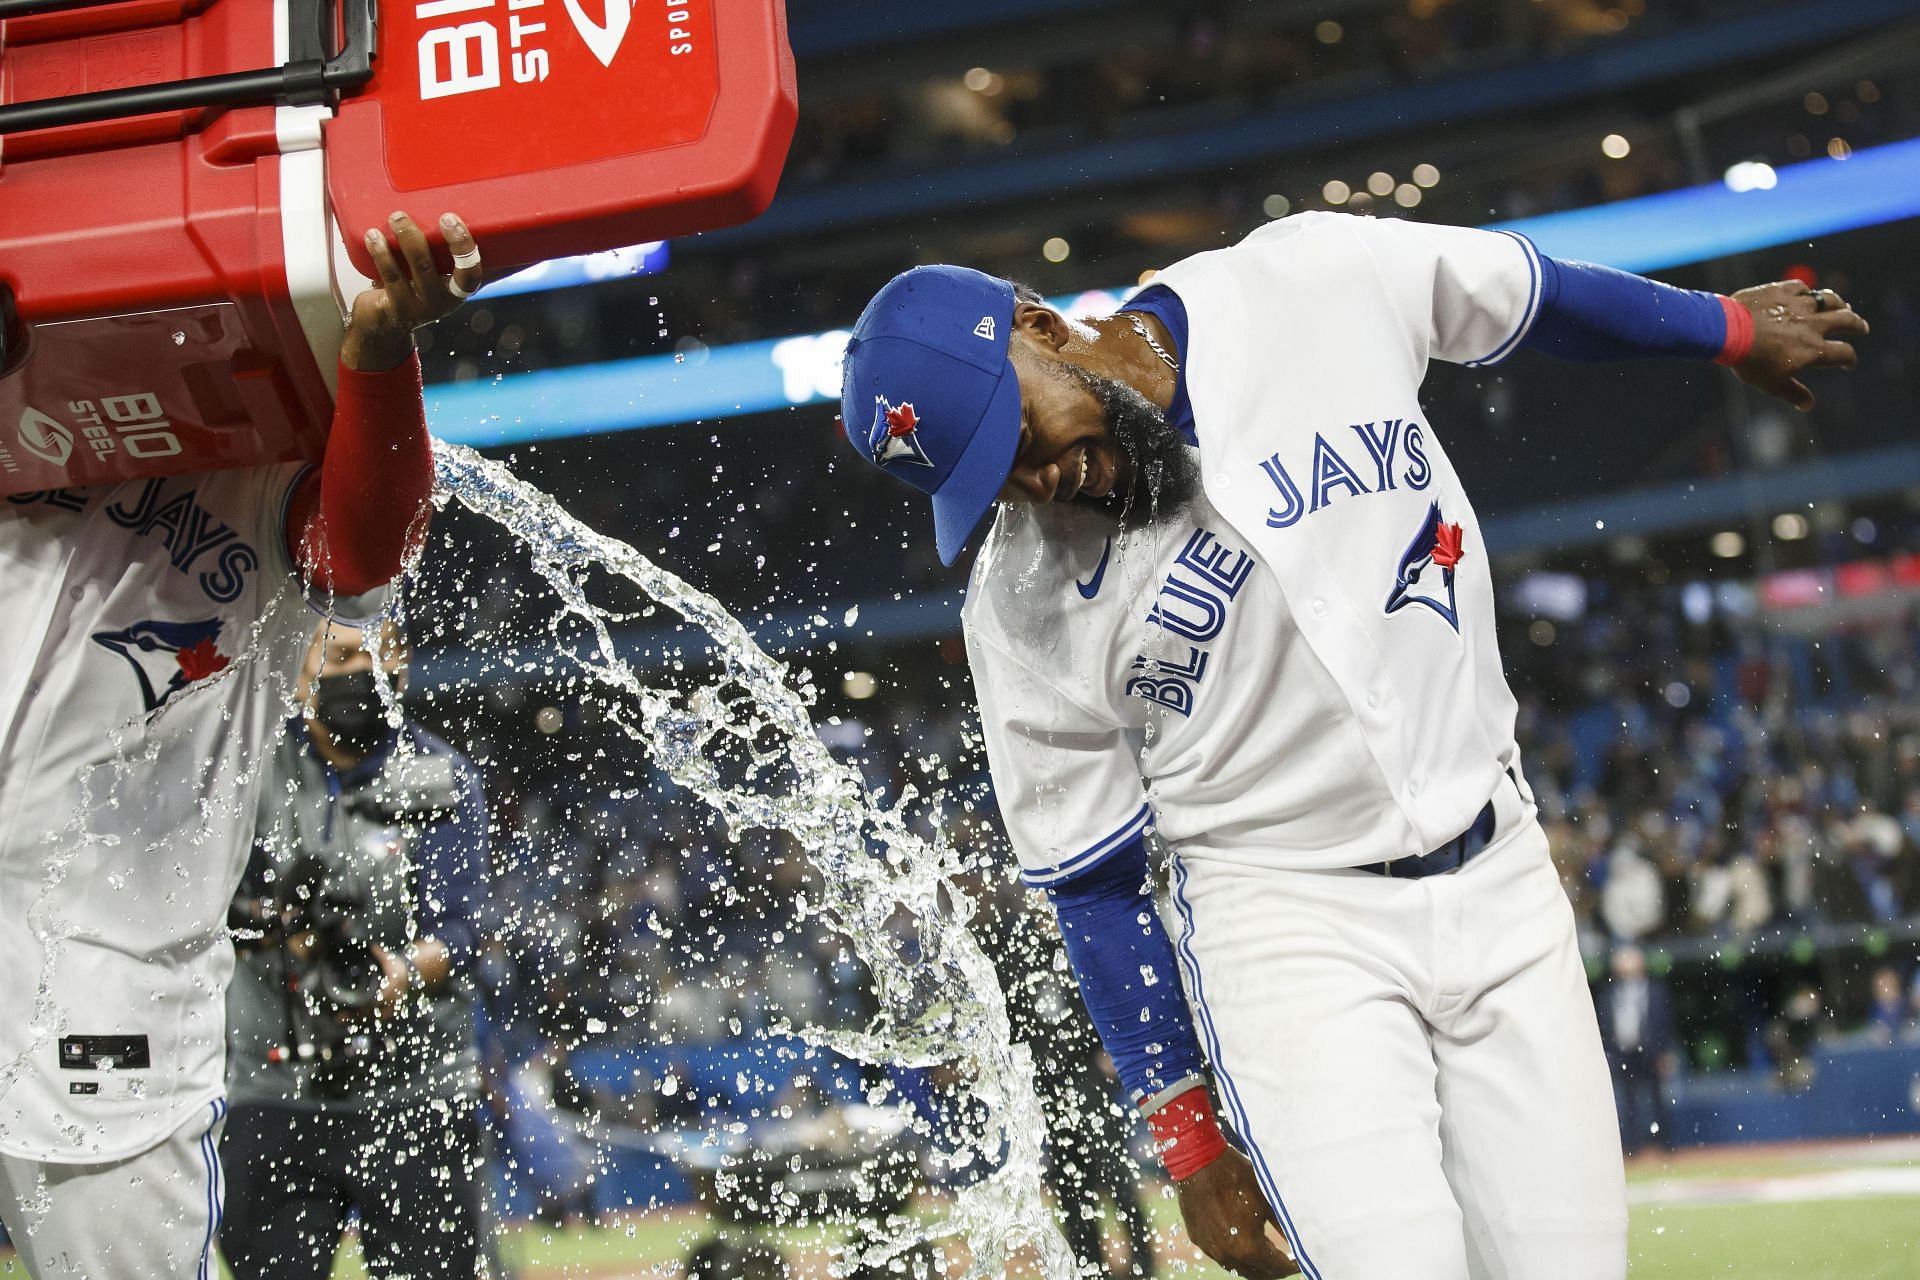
[[1302, 669], [148, 636]]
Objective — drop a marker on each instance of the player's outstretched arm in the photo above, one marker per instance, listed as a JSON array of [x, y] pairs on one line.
[[1796, 328], [1768, 335], [349, 522]]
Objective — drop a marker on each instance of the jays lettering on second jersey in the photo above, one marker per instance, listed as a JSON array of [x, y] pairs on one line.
[[149, 634], [1301, 670]]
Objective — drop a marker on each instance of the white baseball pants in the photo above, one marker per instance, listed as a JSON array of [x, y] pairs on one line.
[[149, 1217], [1414, 1065]]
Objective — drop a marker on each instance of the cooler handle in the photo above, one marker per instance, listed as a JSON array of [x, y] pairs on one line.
[[311, 76]]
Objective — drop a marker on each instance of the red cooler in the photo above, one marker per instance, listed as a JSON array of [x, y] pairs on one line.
[[183, 183]]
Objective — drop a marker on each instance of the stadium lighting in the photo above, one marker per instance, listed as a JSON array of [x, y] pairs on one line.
[[1055, 249], [1336, 192], [1615, 147], [859, 685], [1751, 175], [1426, 175], [1789, 526], [1727, 544]]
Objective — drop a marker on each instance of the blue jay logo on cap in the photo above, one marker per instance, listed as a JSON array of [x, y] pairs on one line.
[[894, 434]]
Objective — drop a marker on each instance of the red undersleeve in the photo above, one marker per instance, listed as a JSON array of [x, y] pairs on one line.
[[350, 518]]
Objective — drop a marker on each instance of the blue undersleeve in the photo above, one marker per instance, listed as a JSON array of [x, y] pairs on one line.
[[1593, 313], [1129, 979]]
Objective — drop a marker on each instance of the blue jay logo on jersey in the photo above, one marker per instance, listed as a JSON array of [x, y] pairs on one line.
[[1438, 546], [166, 657], [894, 436]]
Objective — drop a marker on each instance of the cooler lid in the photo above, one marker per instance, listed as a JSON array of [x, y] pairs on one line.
[[558, 127]]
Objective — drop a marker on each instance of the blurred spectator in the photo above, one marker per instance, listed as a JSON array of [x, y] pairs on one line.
[[1632, 896], [1870, 880], [1889, 1014], [1642, 1044], [1792, 1035]]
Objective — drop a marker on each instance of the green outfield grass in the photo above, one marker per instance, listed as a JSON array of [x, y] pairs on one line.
[[1859, 1239], [1876, 1239], [1866, 1238]]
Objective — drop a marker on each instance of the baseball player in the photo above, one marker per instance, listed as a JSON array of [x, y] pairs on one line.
[[1235, 592], [147, 631]]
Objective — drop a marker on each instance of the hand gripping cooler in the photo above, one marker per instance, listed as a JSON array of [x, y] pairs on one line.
[[176, 177]]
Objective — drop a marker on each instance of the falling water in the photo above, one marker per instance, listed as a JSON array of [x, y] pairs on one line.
[[939, 1001]]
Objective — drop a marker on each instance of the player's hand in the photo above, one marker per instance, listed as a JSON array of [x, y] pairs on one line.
[[1228, 1218], [1796, 328], [412, 291]]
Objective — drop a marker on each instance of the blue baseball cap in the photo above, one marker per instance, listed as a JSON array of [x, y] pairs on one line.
[[929, 395]]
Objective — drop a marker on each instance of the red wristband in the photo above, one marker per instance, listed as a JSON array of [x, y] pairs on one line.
[[1186, 1135], [1739, 332]]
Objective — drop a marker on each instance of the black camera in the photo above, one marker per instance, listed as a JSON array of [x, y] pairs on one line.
[[320, 922]]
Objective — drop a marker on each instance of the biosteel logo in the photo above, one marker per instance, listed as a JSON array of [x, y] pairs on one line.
[[547, 83], [470, 46], [603, 37], [44, 438]]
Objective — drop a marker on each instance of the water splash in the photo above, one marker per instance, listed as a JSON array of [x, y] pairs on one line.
[[939, 1001]]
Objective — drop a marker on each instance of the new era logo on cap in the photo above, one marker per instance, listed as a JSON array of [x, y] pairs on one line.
[[984, 329]]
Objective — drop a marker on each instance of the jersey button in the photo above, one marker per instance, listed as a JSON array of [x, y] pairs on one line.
[[1320, 608], [1413, 786], [1373, 700], [76, 592]]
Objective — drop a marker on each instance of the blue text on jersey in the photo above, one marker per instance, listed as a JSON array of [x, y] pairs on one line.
[[1330, 474], [1205, 579], [189, 532]]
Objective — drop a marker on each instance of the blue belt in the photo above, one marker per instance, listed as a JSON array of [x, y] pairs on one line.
[[1451, 856]]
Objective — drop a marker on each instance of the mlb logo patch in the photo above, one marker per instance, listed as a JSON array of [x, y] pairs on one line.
[[894, 437]]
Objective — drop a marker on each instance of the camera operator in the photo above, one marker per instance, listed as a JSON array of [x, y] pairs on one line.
[[352, 1063]]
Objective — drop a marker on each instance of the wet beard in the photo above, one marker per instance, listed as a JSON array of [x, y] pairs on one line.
[[1165, 476]]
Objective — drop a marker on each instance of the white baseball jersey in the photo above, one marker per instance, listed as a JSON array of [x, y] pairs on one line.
[[1301, 670], [147, 640]]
